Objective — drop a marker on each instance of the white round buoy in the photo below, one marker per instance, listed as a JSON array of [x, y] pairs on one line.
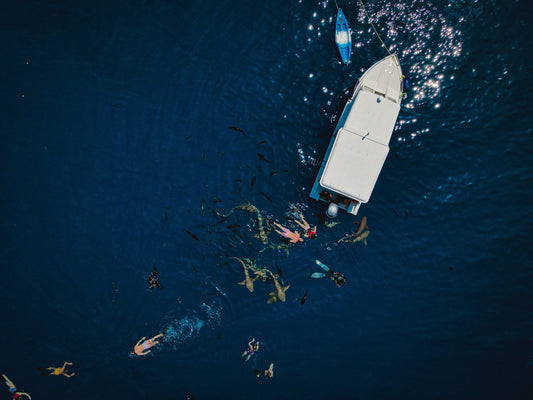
[[332, 211]]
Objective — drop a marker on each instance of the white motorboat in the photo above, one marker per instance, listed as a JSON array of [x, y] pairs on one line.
[[360, 141]]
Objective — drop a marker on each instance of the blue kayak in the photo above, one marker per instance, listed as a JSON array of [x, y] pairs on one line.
[[342, 37]]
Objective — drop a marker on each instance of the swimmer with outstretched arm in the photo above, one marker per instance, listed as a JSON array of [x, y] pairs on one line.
[[142, 349]]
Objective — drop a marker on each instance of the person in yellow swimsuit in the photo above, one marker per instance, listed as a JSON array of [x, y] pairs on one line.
[[142, 349], [58, 371]]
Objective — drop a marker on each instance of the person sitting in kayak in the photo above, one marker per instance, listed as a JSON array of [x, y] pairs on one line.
[[142, 349], [16, 394], [310, 232], [292, 237], [252, 348]]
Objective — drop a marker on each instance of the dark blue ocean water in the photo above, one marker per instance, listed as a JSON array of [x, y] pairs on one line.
[[114, 131]]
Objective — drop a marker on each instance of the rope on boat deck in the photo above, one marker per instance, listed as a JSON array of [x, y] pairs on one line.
[[373, 27]]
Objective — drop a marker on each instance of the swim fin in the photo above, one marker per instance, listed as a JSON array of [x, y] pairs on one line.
[[321, 265]]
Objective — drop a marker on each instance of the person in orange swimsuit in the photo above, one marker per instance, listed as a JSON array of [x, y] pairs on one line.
[[142, 349]]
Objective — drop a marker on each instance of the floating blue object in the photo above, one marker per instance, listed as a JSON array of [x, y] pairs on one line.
[[405, 84], [343, 37], [323, 266]]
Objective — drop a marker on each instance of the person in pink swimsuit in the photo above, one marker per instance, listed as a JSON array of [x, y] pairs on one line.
[[142, 349], [293, 237]]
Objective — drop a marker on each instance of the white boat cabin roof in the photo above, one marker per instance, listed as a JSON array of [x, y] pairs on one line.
[[361, 146], [373, 116]]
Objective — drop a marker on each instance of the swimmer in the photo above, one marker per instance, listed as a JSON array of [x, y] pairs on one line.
[[153, 280], [252, 348], [57, 371], [269, 373], [338, 278], [311, 233], [16, 394], [294, 237], [141, 349]]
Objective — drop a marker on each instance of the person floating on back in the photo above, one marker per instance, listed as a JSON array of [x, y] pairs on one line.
[[56, 371], [16, 394], [142, 349], [292, 237], [252, 348]]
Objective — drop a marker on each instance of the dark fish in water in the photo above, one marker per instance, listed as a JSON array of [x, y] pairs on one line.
[[203, 156], [280, 272], [252, 182], [192, 235], [238, 130], [266, 196], [394, 211], [164, 217], [188, 137], [273, 173], [304, 299], [153, 280], [261, 142], [262, 157], [194, 269], [233, 227]]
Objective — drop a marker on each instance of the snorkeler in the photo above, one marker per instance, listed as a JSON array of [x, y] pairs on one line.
[[57, 371], [142, 349], [293, 237], [16, 394], [252, 348], [311, 233], [153, 280], [336, 277], [269, 373]]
